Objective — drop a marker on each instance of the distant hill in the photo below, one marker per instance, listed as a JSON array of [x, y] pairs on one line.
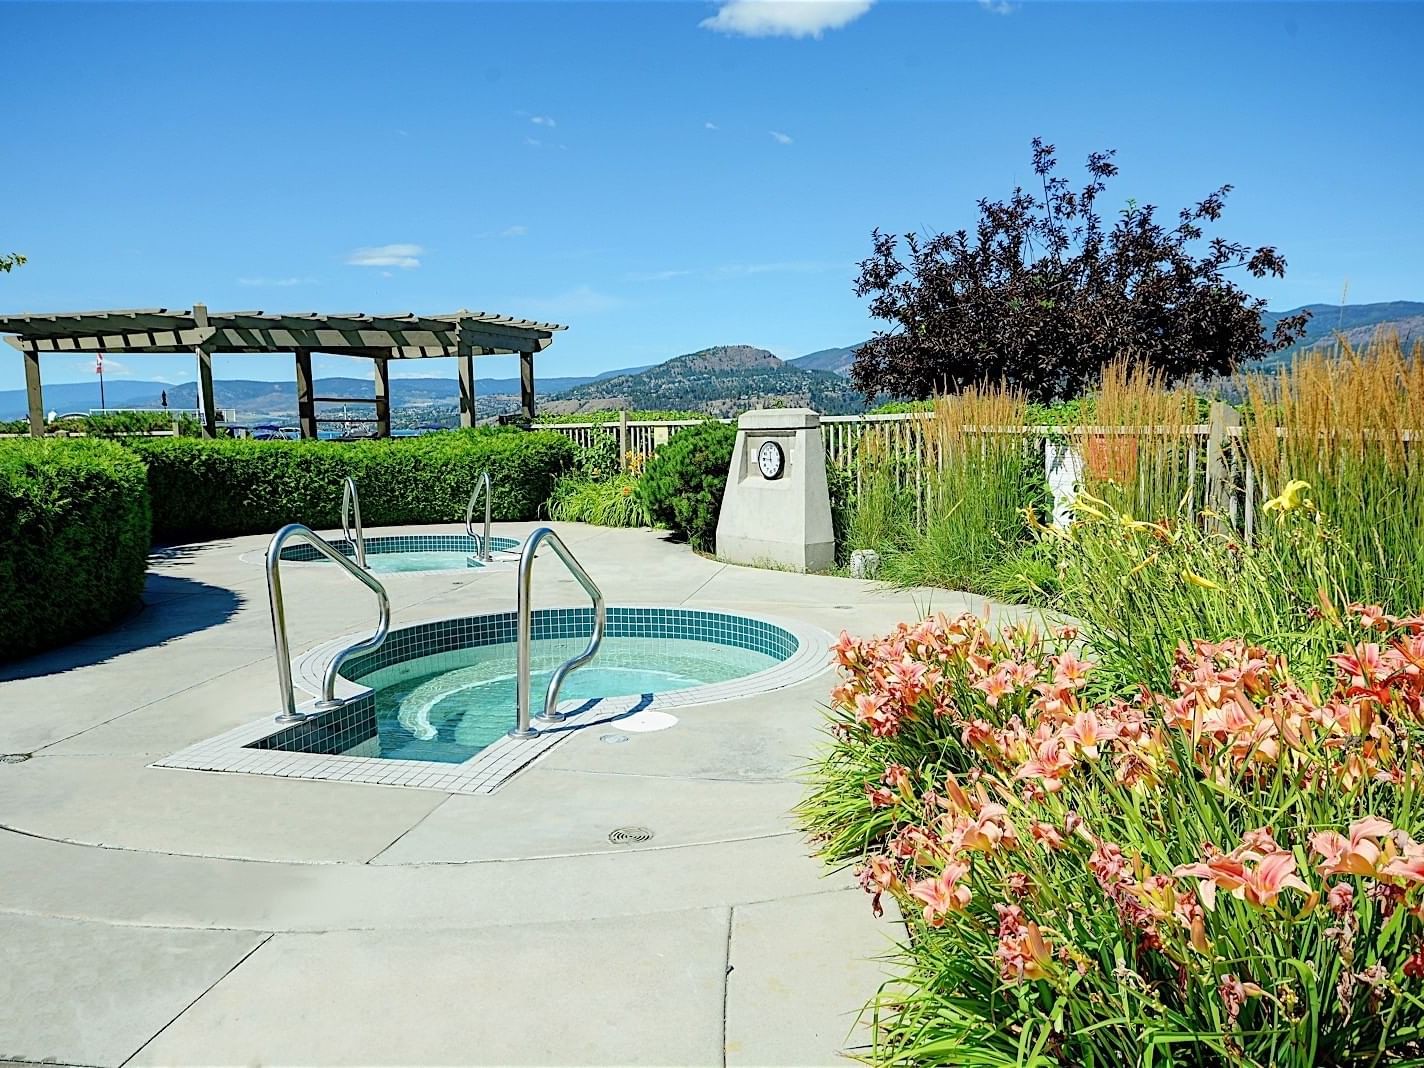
[[1358, 322], [255, 397], [723, 380], [837, 361]]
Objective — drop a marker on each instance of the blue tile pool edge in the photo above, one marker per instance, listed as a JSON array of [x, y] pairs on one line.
[[303, 552], [335, 732]]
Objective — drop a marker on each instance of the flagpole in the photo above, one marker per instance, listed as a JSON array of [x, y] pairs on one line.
[[103, 407]]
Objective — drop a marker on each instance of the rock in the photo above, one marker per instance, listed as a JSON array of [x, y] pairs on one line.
[[864, 563]]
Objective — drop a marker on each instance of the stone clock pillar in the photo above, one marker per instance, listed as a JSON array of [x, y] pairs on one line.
[[777, 509]]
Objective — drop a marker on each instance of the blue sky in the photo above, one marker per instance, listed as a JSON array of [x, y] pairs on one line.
[[663, 176]]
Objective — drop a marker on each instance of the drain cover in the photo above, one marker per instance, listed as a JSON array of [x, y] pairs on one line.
[[613, 739], [630, 835], [13, 758]]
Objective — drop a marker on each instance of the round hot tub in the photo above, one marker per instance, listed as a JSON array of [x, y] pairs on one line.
[[407, 552], [445, 690]]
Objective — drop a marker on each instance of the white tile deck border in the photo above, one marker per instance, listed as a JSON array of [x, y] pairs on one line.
[[494, 765]]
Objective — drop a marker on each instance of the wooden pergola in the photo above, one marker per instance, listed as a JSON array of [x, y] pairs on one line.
[[379, 338]]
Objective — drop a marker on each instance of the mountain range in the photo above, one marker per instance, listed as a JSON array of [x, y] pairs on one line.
[[724, 379], [253, 397], [1356, 322]]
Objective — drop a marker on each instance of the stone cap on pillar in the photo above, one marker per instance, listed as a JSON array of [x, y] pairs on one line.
[[779, 419]]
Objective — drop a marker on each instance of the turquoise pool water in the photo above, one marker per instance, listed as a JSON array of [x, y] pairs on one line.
[[421, 560], [449, 706]]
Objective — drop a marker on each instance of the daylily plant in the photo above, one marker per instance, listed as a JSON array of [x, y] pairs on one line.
[[1230, 863]]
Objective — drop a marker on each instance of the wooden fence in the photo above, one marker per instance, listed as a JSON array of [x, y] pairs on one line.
[[1217, 471]]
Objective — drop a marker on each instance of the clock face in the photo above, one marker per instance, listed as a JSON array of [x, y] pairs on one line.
[[770, 460]]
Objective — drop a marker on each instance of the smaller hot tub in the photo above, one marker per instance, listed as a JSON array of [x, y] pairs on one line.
[[407, 552]]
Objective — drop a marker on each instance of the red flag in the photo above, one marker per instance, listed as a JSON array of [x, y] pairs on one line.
[[99, 364]]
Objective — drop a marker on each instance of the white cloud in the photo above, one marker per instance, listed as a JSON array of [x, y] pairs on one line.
[[406, 256], [779, 137], [542, 120], [710, 126], [514, 231], [276, 281], [533, 142], [784, 18], [998, 7]]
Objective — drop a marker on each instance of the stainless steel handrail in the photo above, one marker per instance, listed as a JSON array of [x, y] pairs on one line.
[[482, 484], [550, 714], [279, 620], [351, 500]]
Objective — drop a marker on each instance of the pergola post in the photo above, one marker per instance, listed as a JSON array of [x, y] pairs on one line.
[[466, 363], [383, 396], [306, 392], [34, 394], [526, 384], [207, 404]]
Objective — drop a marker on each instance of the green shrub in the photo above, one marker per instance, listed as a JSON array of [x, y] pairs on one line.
[[609, 502], [76, 521], [212, 488], [112, 424], [599, 458], [683, 484], [611, 416], [942, 501]]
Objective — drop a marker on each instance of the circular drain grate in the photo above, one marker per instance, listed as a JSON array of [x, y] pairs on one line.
[[14, 758], [630, 835]]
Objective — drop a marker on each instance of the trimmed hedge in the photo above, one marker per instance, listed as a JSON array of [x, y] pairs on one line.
[[74, 519], [685, 481], [214, 488]]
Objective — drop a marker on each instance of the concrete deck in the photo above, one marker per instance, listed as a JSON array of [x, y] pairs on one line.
[[158, 916]]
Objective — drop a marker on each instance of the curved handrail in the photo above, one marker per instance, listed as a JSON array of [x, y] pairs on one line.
[[484, 484], [351, 500], [550, 714], [279, 620]]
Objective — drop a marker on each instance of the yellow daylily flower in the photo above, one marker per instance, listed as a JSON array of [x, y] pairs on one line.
[[1291, 498], [1082, 506], [1196, 580]]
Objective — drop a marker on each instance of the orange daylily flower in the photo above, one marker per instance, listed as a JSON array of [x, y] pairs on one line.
[[1358, 854]]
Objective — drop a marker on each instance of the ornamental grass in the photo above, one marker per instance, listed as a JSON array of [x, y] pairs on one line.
[[1139, 449], [945, 498], [1225, 870], [1350, 427]]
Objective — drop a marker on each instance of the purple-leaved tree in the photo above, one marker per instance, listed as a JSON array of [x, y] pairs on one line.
[[1043, 293]]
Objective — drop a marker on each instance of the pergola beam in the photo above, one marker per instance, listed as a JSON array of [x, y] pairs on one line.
[[465, 363], [34, 393], [526, 385], [306, 399], [383, 396]]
